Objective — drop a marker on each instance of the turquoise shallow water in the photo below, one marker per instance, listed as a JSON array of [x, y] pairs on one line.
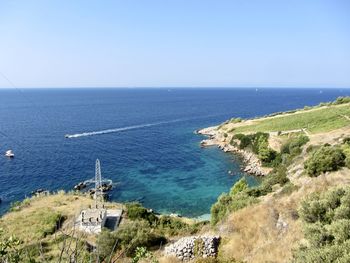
[[151, 151]]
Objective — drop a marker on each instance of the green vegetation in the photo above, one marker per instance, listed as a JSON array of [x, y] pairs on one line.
[[294, 144], [325, 159], [326, 218], [346, 150], [241, 195], [164, 225], [9, 249], [137, 234], [143, 230], [18, 205], [317, 120], [172, 226], [235, 200], [142, 253], [128, 238], [258, 144], [137, 211]]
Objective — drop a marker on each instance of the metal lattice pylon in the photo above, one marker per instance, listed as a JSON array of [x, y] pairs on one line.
[[98, 185]]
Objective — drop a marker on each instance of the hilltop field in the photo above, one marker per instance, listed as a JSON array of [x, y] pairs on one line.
[[299, 213]]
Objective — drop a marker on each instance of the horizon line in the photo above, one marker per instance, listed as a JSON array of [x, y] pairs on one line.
[[177, 87]]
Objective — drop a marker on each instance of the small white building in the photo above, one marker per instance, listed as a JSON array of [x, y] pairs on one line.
[[93, 220]]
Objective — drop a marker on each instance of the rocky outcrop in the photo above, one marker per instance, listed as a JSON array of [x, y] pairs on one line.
[[251, 163], [188, 248]]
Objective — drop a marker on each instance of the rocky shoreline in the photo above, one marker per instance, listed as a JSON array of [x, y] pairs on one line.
[[251, 163]]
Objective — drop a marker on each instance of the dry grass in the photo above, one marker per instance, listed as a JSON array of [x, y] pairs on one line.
[[251, 234], [26, 222], [168, 260], [36, 223]]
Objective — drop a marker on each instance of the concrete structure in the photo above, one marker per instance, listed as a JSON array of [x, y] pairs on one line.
[[93, 220]]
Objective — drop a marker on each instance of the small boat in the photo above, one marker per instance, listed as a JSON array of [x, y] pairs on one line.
[[9, 154]]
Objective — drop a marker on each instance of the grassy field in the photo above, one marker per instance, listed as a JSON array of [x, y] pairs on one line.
[[35, 222], [317, 120]]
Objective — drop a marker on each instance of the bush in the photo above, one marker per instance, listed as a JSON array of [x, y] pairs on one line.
[[239, 186], [325, 159], [226, 203], [137, 234], [258, 144], [106, 244], [293, 145], [136, 211], [346, 150], [326, 220], [141, 253], [277, 176], [174, 226]]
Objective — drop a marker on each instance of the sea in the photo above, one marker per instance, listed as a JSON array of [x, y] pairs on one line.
[[143, 137]]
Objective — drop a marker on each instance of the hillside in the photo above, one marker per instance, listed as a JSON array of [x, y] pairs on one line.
[[299, 213], [270, 228]]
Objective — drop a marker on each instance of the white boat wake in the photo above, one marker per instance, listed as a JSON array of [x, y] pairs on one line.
[[84, 134]]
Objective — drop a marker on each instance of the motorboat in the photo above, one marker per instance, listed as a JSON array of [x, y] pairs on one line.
[[9, 154]]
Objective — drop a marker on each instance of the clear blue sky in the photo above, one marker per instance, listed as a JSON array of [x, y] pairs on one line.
[[302, 43]]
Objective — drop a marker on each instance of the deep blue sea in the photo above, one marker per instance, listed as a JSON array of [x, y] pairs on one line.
[[152, 153]]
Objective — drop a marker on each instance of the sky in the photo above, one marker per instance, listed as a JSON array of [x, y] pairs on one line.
[[175, 43]]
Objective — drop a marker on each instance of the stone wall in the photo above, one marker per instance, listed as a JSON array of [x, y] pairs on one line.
[[188, 248]]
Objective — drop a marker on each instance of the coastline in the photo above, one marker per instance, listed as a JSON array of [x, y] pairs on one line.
[[250, 162]]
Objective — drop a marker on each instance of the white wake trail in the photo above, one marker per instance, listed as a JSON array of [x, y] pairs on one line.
[[77, 135]]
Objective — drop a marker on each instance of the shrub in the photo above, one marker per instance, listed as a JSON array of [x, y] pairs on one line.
[[237, 199], [141, 253], [293, 145], [266, 154], [327, 158], [239, 186], [50, 222], [346, 150], [326, 220], [258, 143], [106, 244], [136, 211], [174, 226], [137, 234]]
